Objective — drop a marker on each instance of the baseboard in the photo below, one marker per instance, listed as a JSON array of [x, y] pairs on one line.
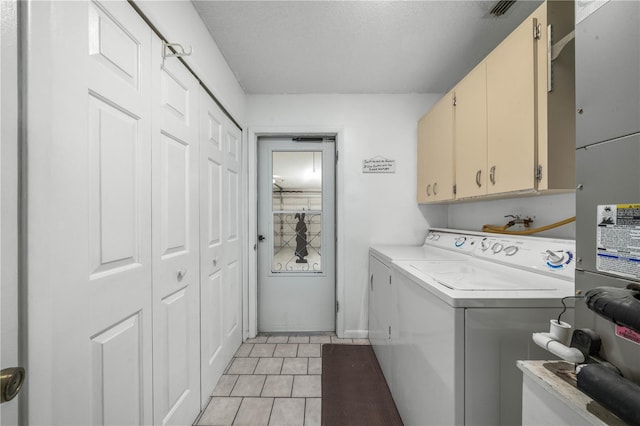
[[356, 334]]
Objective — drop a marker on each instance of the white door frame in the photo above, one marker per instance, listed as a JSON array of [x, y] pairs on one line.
[[11, 325], [251, 166]]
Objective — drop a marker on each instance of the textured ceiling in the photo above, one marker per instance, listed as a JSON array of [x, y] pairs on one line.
[[276, 47]]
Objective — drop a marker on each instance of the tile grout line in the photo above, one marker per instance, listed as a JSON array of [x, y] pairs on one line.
[[304, 413], [237, 411], [271, 411]]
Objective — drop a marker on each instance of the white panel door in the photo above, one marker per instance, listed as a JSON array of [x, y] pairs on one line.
[[219, 337], [296, 223], [89, 239], [231, 213], [175, 217]]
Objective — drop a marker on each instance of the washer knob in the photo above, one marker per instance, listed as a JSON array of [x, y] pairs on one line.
[[484, 244], [554, 259], [497, 248], [511, 250], [459, 242]]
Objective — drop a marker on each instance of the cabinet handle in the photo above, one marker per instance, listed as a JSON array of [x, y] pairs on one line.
[[429, 190], [478, 174], [492, 175], [435, 188]]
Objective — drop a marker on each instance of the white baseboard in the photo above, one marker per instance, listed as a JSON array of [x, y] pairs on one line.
[[356, 334]]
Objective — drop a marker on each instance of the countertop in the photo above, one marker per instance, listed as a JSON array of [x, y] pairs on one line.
[[562, 385]]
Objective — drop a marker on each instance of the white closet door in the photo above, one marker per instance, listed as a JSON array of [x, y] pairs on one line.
[[215, 353], [176, 277], [89, 247], [231, 216], [221, 302]]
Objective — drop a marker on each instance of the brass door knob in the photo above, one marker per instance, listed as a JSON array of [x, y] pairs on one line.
[[11, 381]]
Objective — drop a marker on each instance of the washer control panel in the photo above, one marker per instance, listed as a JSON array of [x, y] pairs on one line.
[[452, 241], [543, 254], [550, 256]]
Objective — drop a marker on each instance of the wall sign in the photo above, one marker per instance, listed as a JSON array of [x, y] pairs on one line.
[[378, 165]]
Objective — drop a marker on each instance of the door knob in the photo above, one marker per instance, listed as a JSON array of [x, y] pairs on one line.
[[260, 237], [11, 380], [180, 274]]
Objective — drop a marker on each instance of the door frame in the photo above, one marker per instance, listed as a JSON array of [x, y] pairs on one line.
[[251, 166], [12, 217]]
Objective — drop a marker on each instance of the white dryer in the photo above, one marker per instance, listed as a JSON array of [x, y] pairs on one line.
[[461, 327]]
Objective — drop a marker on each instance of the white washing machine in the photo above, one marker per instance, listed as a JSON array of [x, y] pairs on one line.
[[447, 246], [461, 327]]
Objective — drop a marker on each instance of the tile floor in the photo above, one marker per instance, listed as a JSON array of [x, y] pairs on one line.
[[273, 380]]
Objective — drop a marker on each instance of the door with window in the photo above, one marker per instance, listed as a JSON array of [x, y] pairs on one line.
[[296, 227]]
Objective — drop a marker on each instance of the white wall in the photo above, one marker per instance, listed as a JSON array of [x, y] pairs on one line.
[[377, 208], [179, 22], [544, 210]]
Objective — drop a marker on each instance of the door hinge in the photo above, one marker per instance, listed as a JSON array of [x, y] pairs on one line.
[[336, 156], [455, 100], [537, 29], [455, 189], [389, 279], [538, 172], [389, 332], [337, 306]]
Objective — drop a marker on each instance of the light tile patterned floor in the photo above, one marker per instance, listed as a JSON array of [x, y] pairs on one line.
[[272, 381]]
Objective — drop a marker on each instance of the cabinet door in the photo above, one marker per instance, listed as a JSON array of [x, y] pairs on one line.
[[471, 133], [435, 152], [511, 112]]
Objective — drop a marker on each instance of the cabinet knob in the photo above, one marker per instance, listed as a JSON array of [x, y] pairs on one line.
[[478, 175], [580, 110]]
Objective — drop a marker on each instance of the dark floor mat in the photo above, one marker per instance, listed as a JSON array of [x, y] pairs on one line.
[[354, 391]]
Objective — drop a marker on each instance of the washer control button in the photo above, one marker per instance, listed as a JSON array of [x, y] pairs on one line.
[[511, 250], [497, 248], [459, 242], [485, 244]]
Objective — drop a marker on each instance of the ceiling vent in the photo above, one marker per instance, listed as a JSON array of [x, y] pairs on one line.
[[501, 7]]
